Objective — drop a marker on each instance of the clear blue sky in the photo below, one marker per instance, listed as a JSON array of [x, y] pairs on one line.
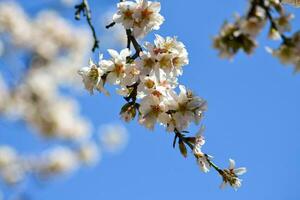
[[252, 117]]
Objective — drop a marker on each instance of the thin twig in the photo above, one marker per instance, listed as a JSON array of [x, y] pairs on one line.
[[136, 45], [191, 146], [85, 9], [271, 19], [110, 25]]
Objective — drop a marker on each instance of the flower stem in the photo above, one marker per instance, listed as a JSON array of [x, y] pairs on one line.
[[84, 8]]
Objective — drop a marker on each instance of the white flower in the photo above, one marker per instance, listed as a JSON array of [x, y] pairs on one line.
[[131, 75], [59, 160], [91, 76], [116, 68], [252, 25], [68, 3], [157, 84], [169, 54], [201, 158], [283, 22], [203, 163], [125, 13], [113, 137], [146, 63], [292, 2], [152, 110], [231, 174], [289, 52], [185, 107], [141, 16], [147, 17], [89, 153], [199, 142], [13, 173], [7, 156], [169, 44]]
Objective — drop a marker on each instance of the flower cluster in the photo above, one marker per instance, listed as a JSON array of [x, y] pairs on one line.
[[33, 95], [148, 80], [36, 98], [289, 51], [152, 79], [141, 16], [57, 161], [292, 2], [241, 34]]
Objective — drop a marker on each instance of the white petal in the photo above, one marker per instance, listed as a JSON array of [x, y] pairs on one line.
[[223, 185], [155, 7], [91, 63], [112, 78], [113, 53], [240, 171], [83, 70], [231, 163], [125, 53]]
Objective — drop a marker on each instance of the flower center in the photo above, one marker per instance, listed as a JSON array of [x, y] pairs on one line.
[[119, 69], [156, 93], [149, 84], [149, 63], [128, 14], [93, 74], [146, 14], [182, 107], [165, 62], [156, 109]]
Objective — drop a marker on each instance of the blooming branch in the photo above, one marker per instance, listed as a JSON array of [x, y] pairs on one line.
[[148, 80], [241, 35]]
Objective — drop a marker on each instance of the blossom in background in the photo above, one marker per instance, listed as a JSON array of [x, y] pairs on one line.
[[37, 98], [58, 160], [52, 59], [113, 137], [7, 156], [89, 153], [241, 34], [292, 2], [289, 52], [68, 3], [230, 40]]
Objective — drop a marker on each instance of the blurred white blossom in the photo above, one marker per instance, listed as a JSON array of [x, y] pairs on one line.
[[113, 137], [292, 2], [69, 3], [89, 153], [55, 49]]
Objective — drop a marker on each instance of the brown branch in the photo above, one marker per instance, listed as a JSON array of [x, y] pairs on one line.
[[84, 8]]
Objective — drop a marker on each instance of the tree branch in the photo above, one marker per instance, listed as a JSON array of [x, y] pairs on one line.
[[186, 140], [84, 8]]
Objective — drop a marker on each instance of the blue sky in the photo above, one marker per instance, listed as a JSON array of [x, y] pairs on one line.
[[252, 117]]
